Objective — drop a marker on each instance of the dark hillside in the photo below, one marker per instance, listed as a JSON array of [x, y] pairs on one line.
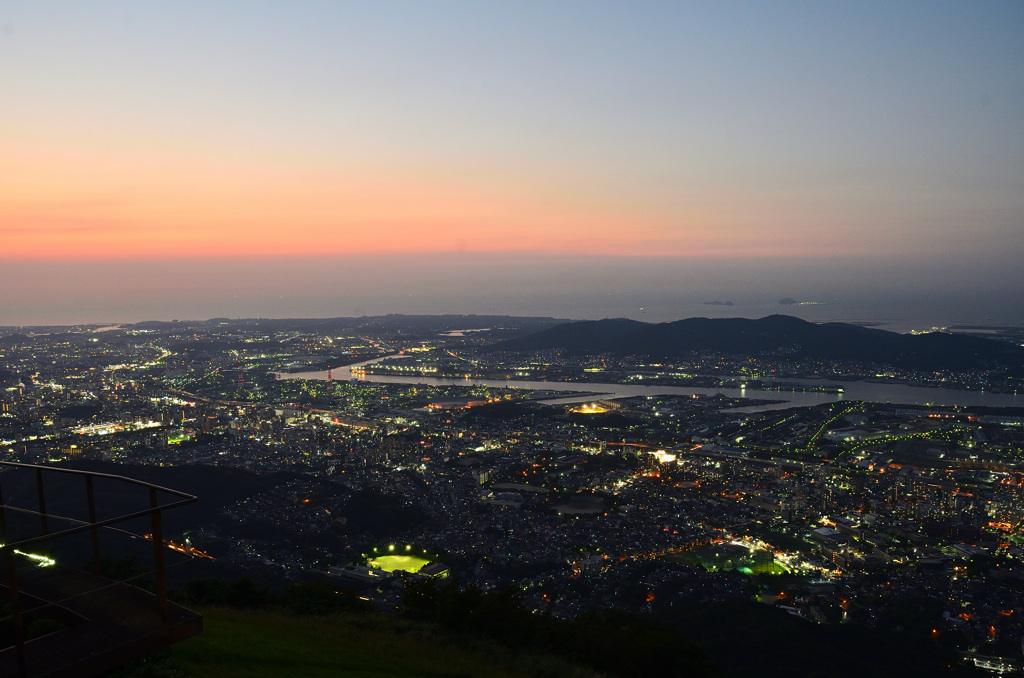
[[778, 335]]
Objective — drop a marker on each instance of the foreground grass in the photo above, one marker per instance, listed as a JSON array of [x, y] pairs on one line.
[[244, 644]]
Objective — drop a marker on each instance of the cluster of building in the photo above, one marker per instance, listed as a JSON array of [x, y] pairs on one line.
[[847, 512]]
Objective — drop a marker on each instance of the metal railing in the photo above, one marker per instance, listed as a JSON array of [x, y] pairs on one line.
[[34, 550]]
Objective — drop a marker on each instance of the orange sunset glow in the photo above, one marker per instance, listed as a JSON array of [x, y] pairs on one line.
[[340, 156], [63, 205]]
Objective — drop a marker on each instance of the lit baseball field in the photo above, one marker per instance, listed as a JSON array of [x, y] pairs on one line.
[[393, 563]]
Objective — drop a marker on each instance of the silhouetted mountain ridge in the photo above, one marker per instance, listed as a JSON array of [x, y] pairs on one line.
[[774, 334]]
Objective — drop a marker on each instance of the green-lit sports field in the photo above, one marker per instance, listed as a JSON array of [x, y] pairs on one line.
[[393, 563]]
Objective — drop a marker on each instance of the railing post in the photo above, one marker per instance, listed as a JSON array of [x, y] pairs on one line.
[[42, 501], [91, 496], [12, 587], [3, 518], [158, 558], [19, 626]]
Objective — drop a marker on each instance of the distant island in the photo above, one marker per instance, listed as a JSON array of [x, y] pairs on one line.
[[718, 303]]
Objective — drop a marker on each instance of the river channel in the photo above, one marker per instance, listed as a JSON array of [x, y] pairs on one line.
[[899, 394]]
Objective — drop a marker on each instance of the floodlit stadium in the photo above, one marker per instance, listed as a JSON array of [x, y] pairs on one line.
[[395, 563], [398, 558]]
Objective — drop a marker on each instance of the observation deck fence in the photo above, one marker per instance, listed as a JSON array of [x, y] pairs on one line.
[[77, 551]]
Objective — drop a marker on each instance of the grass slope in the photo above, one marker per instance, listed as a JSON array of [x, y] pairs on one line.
[[242, 644]]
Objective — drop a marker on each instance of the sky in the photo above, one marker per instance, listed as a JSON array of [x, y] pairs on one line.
[[576, 159]]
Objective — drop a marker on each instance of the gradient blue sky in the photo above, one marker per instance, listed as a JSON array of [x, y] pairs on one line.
[[331, 157]]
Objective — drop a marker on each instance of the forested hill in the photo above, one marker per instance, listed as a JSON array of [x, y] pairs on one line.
[[776, 334]]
